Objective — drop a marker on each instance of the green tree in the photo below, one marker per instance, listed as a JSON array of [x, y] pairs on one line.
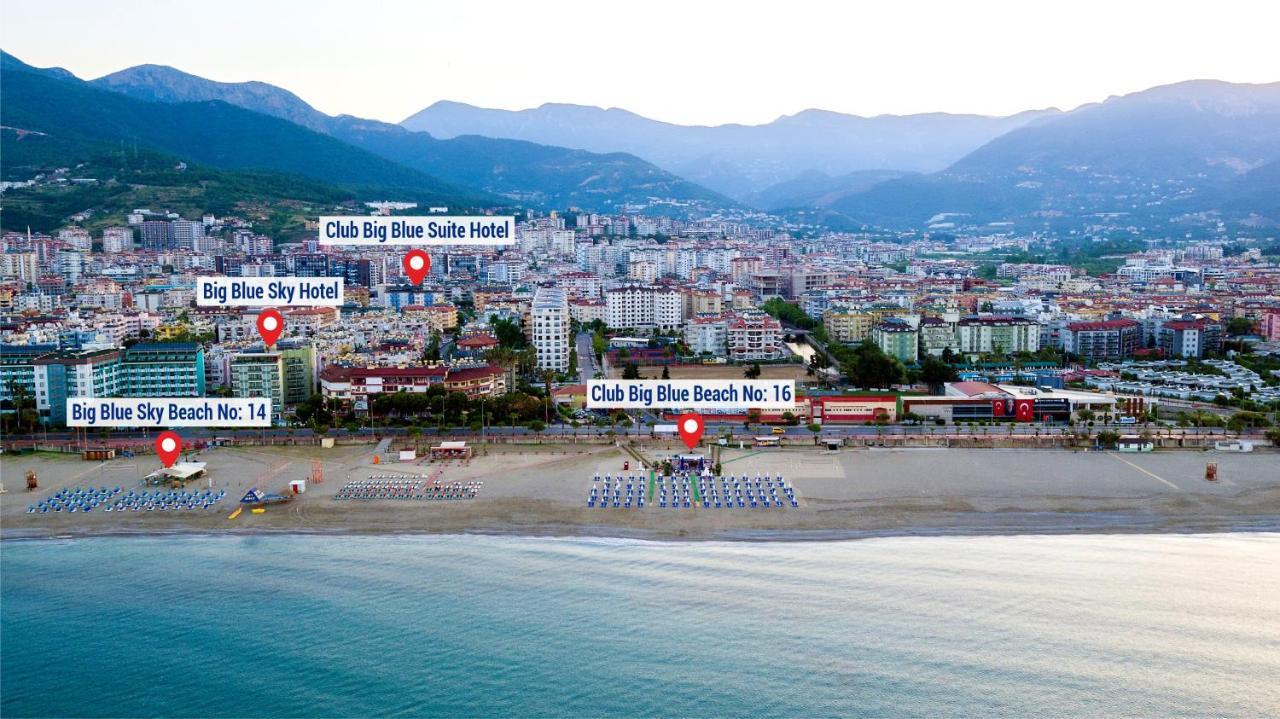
[[432, 352], [789, 313], [455, 403], [934, 372], [1237, 326], [752, 372], [869, 366], [630, 371], [599, 344], [509, 333], [666, 373]]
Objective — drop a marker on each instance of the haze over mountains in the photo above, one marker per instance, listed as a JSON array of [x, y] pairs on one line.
[[1204, 144], [741, 161], [1182, 156], [1184, 153]]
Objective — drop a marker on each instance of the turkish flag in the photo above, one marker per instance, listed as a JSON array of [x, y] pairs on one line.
[[997, 407], [1026, 410]]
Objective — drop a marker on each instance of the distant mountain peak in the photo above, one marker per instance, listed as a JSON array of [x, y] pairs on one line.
[[541, 173], [736, 159]]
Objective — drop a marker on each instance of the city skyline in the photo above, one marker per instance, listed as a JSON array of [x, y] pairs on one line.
[[706, 68]]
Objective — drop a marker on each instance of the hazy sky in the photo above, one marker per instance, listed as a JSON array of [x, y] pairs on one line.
[[687, 61]]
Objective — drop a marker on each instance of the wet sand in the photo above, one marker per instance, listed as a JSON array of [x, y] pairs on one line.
[[541, 490]]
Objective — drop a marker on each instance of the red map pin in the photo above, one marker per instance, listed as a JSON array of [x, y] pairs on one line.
[[270, 326], [168, 446], [690, 427], [416, 265]]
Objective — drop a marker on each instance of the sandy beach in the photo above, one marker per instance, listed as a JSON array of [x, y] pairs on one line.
[[541, 489]]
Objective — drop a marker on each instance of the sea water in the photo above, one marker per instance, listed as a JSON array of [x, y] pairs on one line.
[[282, 626]]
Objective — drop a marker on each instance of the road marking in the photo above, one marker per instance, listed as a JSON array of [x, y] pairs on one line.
[[1140, 469]]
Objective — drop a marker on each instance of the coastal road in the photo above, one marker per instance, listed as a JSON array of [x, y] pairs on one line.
[[586, 358]]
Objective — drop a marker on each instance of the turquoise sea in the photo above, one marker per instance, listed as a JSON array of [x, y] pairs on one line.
[[284, 626]]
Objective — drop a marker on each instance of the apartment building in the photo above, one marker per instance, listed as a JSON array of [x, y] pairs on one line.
[[897, 338], [937, 336], [1103, 340], [847, 325], [644, 307], [755, 336], [51, 376], [549, 315], [1194, 338], [989, 334], [707, 334]]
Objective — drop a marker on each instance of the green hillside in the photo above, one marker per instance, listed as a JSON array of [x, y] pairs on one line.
[[276, 203], [76, 120]]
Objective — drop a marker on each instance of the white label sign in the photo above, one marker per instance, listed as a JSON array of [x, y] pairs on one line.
[[168, 412], [691, 394], [269, 292], [427, 230]]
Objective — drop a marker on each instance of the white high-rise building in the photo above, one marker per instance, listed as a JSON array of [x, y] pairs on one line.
[[70, 265], [23, 266], [185, 234], [550, 317], [642, 271], [644, 307], [707, 334], [117, 239], [77, 237]]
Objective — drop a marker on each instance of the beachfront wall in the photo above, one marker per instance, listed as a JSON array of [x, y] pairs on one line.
[[841, 409], [855, 409]]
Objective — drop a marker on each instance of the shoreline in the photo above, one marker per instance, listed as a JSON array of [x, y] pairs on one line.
[[1268, 525]]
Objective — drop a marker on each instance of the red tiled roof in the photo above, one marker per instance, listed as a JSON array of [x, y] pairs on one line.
[[477, 341], [469, 373], [976, 388]]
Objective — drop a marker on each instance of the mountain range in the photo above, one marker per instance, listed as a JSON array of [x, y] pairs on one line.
[[1183, 157], [741, 161], [529, 173], [1201, 149], [1197, 152], [259, 126], [65, 120]]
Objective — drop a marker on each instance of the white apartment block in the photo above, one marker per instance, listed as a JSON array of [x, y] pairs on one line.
[[587, 311], [550, 317], [117, 239], [754, 336], [644, 307], [645, 271], [23, 266], [77, 237], [582, 285], [504, 272], [998, 334], [707, 334]]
